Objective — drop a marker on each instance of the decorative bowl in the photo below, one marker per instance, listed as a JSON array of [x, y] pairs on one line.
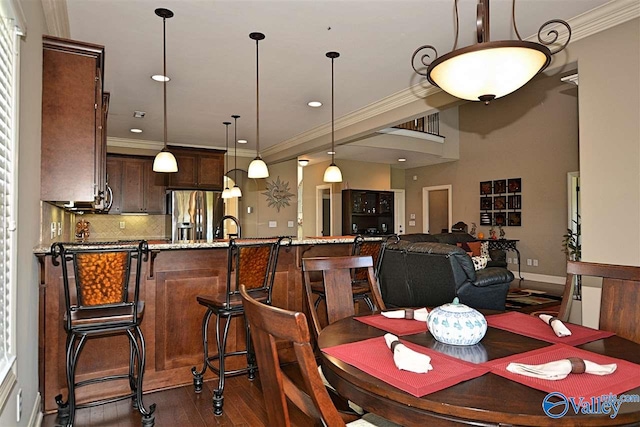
[[457, 324]]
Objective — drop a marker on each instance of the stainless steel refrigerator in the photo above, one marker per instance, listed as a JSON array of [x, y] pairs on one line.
[[195, 214]]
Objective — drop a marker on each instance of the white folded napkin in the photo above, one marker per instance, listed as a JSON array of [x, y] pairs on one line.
[[559, 369], [556, 324], [407, 313], [407, 359]]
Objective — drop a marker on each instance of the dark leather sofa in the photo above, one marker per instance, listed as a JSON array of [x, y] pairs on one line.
[[429, 274], [498, 257]]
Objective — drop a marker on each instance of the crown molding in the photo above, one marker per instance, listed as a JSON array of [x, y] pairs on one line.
[[609, 15], [144, 144], [56, 17]]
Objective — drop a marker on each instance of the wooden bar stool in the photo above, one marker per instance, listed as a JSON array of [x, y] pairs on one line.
[[251, 263], [101, 303]]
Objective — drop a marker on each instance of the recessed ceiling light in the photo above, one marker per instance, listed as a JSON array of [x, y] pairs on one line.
[[331, 153], [135, 130], [160, 78], [402, 159], [242, 141], [314, 104]]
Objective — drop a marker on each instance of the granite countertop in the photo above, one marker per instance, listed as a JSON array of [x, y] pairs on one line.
[[206, 244]]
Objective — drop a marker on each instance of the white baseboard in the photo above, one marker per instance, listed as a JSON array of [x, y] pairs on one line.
[[36, 414], [557, 280]]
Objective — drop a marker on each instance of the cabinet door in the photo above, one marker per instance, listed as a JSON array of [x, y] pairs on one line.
[[133, 185], [154, 190], [114, 179], [210, 171], [186, 177], [70, 114]]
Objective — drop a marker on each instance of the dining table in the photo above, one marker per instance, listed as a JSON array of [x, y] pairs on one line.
[[469, 385]]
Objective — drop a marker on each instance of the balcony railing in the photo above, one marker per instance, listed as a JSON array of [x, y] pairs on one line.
[[429, 124]]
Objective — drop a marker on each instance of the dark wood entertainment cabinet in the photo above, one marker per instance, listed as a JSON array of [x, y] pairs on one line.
[[367, 212]]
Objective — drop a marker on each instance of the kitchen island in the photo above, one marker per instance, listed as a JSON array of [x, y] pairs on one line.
[[174, 275]]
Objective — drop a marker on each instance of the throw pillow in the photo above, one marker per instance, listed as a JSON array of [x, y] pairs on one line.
[[484, 250], [479, 262], [464, 246], [475, 248]]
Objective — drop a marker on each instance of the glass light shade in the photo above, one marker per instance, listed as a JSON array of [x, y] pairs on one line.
[[165, 162], [236, 192], [332, 174], [492, 69], [226, 193], [258, 169]]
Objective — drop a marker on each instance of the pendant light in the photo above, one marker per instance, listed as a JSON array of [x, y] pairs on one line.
[[235, 191], [489, 70], [164, 161], [257, 167], [226, 194], [332, 173]]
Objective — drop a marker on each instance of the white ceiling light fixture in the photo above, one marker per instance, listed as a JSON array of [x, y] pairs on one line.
[[314, 104], [303, 162], [242, 141], [160, 78], [226, 193], [164, 161], [257, 168], [332, 173], [402, 159], [489, 70], [235, 191]]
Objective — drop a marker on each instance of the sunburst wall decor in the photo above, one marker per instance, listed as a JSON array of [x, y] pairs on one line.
[[278, 194]]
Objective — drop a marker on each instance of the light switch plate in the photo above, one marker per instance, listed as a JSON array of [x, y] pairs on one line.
[[273, 224], [290, 224], [412, 223], [412, 216]]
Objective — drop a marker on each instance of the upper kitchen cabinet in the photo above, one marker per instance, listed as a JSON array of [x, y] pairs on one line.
[[74, 111], [136, 187], [197, 169]]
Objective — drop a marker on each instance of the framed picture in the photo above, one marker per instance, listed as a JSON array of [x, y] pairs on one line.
[[515, 219], [486, 203], [485, 187], [515, 202], [499, 203], [515, 185], [499, 186], [485, 218], [500, 218]]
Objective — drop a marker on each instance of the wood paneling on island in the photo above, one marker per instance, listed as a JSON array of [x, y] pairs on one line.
[[172, 319]]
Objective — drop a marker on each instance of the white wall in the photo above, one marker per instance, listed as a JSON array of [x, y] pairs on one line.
[[28, 217]]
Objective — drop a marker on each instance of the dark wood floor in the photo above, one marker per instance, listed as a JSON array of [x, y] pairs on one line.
[[243, 406]]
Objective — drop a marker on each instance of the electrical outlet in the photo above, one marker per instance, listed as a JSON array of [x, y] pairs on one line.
[[509, 260], [515, 261], [273, 224], [122, 225], [535, 262], [53, 230], [412, 216], [290, 224], [412, 223], [528, 261], [59, 229], [19, 405]]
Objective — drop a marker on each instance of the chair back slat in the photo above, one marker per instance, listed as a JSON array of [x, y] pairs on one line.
[[620, 296], [336, 274], [269, 324]]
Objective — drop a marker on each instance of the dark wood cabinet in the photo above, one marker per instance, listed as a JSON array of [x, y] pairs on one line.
[[136, 187], [197, 168], [367, 212], [74, 111]]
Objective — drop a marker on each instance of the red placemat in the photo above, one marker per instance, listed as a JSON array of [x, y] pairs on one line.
[[395, 326], [625, 377], [532, 326], [374, 357]]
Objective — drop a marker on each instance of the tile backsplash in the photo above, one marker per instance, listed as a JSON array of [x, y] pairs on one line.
[[120, 227]]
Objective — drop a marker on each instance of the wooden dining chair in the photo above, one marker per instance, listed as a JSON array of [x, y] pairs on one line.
[[270, 325], [337, 281], [620, 296]]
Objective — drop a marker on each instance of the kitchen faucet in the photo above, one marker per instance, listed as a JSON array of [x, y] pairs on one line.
[[220, 228]]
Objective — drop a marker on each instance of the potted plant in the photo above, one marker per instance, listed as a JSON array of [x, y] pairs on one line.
[[572, 247]]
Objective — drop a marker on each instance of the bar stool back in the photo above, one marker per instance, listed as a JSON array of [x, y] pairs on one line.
[[101, 303], [251, 263]]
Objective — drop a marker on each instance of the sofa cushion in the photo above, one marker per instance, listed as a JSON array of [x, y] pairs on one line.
[[418, 237], [453, 238], [492, 275]]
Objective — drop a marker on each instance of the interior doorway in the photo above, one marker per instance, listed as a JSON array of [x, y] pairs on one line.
[[436, 209], [324, 210]]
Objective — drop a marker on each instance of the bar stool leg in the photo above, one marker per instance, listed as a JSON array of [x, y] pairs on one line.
[[198, 375], [137, 341], [218, 398], [251, 357]]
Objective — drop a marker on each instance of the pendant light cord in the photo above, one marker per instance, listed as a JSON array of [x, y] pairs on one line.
[[257, 101], [226, 166], [333, 147], [164, 72], [235, 152]]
